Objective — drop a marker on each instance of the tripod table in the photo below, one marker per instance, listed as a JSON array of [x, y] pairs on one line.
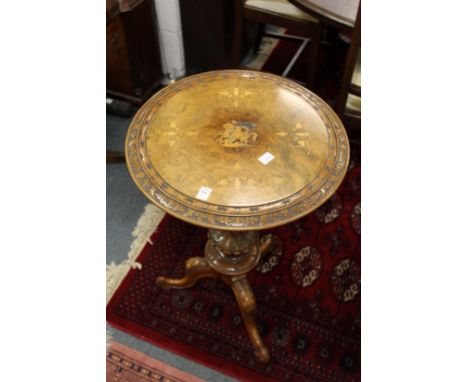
[[236, 151]]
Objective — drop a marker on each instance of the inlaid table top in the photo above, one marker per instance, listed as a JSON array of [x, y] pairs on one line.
[[237, 150]]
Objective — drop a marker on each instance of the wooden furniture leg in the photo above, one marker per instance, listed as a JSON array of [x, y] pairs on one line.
[[229, 255], [259, 37], [114, 157], [246, 301], [314, 53], [195, 268]]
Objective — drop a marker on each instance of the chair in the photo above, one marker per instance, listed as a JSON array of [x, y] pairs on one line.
[[348, 106], [282, 14]]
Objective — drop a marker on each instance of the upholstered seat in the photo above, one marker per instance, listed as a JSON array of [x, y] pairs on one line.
[[353, 102], [348, 103], [281, 7], [356, 79]]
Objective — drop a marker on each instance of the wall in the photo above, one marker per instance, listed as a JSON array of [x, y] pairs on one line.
[[170, 37]]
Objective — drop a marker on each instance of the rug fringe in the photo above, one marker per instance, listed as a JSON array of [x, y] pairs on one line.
[[146, 225], [115, 273]]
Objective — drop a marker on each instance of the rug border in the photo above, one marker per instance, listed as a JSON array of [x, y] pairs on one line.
[[153, 363]]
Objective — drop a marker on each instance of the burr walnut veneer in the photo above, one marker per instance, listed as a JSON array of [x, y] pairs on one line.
[[236, 151]]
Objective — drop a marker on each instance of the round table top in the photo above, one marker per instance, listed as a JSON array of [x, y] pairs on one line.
[[237, 150]]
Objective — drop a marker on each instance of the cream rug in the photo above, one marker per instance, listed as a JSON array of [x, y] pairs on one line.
[[115, 273], [146, 225]]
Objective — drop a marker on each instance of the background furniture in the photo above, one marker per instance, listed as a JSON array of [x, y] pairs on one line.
[[208, 34], [113, 156], [338, 13], [207, 27], [133, 64], [282, 14], [345, 16], [348, 105]]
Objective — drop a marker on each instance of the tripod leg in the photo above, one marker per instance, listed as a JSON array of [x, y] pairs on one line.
[[246, 300], [266, 242], [195, 268]]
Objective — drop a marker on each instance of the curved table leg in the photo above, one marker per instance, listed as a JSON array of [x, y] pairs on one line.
[[246, 300], [195, 268], [265, 243], [198, 267]]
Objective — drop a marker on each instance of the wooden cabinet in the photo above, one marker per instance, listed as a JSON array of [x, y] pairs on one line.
[[133, 63], [208, 30]]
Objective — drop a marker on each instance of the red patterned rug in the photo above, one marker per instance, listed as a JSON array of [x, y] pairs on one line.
[[307, 290], [127, 365]]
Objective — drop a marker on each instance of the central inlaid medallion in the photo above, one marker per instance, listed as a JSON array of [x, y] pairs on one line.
[[237, 134]]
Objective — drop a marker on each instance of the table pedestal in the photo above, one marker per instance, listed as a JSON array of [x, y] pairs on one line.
[[229, 255]]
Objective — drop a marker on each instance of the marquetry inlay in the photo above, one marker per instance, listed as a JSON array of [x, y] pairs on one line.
[[263, 149]]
